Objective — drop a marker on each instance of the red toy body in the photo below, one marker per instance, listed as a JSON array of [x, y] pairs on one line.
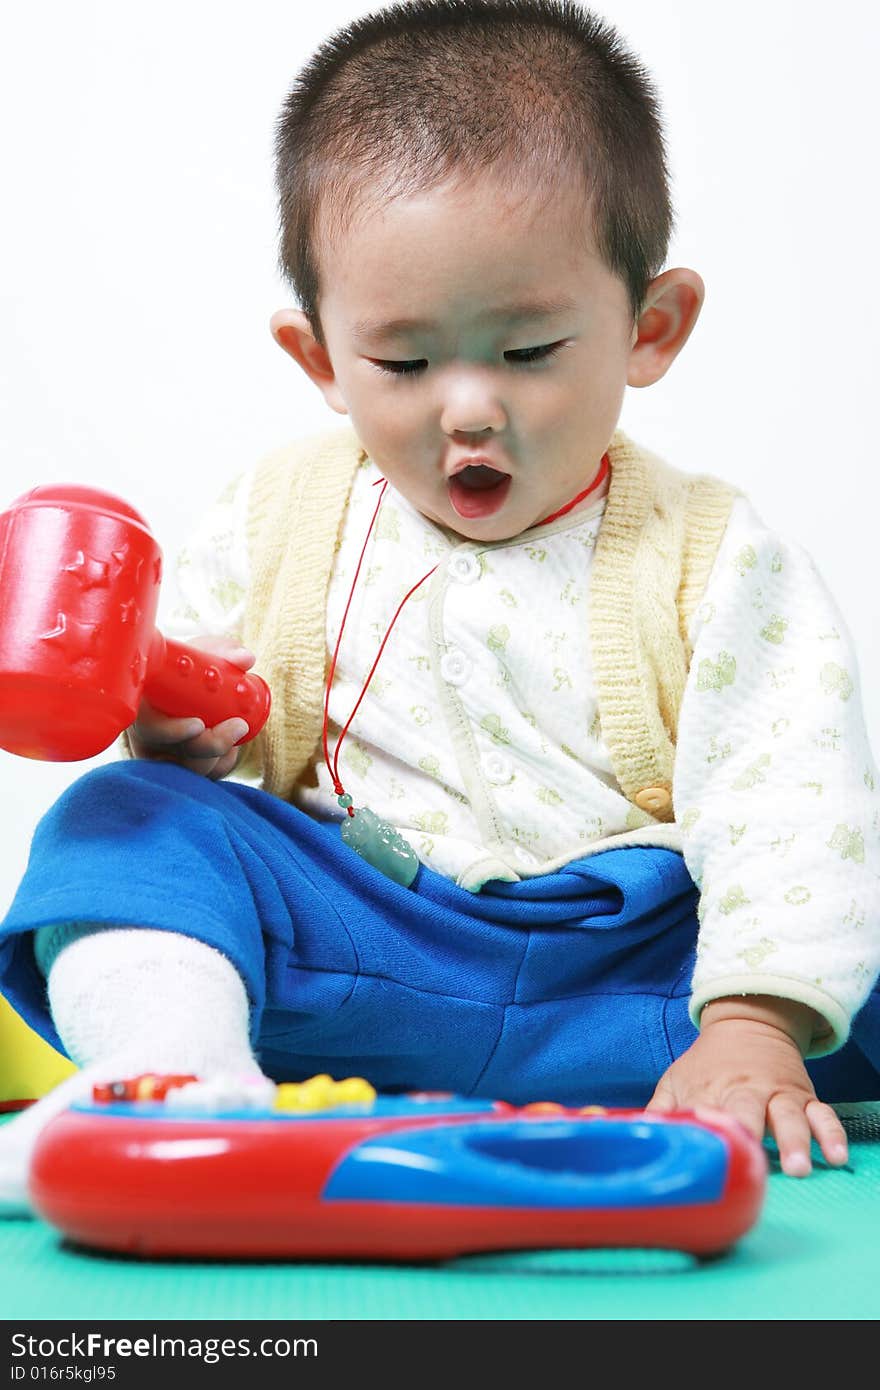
[[417, 1177], [79, 588]]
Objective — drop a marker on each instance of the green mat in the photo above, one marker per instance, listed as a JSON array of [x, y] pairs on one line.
[[815, 1253]]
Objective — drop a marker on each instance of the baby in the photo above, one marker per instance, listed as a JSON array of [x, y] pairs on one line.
[[592, 730]]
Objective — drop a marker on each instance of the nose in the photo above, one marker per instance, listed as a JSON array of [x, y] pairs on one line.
[[472, 407]]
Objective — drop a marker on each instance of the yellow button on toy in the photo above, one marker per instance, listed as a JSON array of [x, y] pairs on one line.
[[354, 1090], [321, 1092]]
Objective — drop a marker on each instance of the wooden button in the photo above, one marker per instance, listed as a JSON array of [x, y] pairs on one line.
[[653, 799]]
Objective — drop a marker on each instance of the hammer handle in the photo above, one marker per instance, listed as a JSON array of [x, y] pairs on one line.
[[187, 683]]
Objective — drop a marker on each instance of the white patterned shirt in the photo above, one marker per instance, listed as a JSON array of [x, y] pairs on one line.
[[479, 737]]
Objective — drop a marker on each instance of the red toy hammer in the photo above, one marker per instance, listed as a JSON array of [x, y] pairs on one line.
[[79, 587]]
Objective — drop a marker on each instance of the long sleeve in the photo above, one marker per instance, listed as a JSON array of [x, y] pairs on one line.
[[776, 788], [210, 578]]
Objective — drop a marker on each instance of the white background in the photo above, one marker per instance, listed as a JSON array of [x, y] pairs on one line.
[[138, 270]]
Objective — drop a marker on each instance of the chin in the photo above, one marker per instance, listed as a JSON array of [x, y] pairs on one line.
[[494, 530], [501, 527]]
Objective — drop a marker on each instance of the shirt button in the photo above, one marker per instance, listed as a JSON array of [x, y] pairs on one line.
[[455, 667], [524, 856], [655, 800], [498, 769], [464, 567]]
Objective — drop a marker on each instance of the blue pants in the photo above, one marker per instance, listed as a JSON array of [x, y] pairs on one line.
[[571, 987]]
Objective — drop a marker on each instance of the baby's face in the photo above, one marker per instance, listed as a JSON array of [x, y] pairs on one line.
[[536, 394]]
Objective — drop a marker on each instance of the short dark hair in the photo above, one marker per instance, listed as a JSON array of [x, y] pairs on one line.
[[405, 98]]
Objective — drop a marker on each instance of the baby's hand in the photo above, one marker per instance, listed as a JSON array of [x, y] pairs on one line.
[[210, 752], [752, 1067]]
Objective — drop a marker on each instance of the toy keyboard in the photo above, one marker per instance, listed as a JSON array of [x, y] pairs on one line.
[[163, 1166]]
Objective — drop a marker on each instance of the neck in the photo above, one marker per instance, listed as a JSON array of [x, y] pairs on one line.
[[597, 488]]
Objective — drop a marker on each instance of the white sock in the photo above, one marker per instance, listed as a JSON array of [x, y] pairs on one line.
[[130, 1000]]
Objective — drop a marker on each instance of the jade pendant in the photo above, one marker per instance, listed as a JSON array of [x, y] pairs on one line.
[[381, 845]]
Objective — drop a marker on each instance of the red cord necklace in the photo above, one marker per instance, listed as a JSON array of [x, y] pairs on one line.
[[373, 838]]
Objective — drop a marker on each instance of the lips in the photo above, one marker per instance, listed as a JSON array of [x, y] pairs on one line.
[[477, 487]]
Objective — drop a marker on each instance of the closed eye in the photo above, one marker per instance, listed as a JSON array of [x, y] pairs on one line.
[[398, 368], [535, 354], [517, 357]]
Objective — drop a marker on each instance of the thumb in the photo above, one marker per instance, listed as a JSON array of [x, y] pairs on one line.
[[664, 1097], [229, 648]]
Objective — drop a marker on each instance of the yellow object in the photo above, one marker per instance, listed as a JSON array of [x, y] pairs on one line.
[[29, 1067], [322, 1093], [353, 1090], [654, 800], [660, 533]]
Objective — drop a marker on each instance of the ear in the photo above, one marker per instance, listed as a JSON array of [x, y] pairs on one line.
[[291, 330], [672, 306]]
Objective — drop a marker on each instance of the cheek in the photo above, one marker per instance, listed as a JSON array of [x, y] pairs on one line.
[[399, 422], [393, 437], [377, 414], [600, 383], [562, 405]]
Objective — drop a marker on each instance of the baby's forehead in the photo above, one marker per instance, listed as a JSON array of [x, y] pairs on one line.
[[474, 256], [347, 206]]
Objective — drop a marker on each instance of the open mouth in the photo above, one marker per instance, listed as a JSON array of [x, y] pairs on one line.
[[478, 490]]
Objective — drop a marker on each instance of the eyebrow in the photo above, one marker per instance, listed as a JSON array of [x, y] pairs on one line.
[[514, 313]]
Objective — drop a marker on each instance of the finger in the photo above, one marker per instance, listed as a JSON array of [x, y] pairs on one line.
[[748, 1107], [664, 1098], [828, 1132], [216, 742], [712, 1115], [223, 766], [787, 1122], [203, 766], [229, 648], [157, 730]]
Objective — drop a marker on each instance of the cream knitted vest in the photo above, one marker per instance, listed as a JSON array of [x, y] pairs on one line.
[[657, 542]]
